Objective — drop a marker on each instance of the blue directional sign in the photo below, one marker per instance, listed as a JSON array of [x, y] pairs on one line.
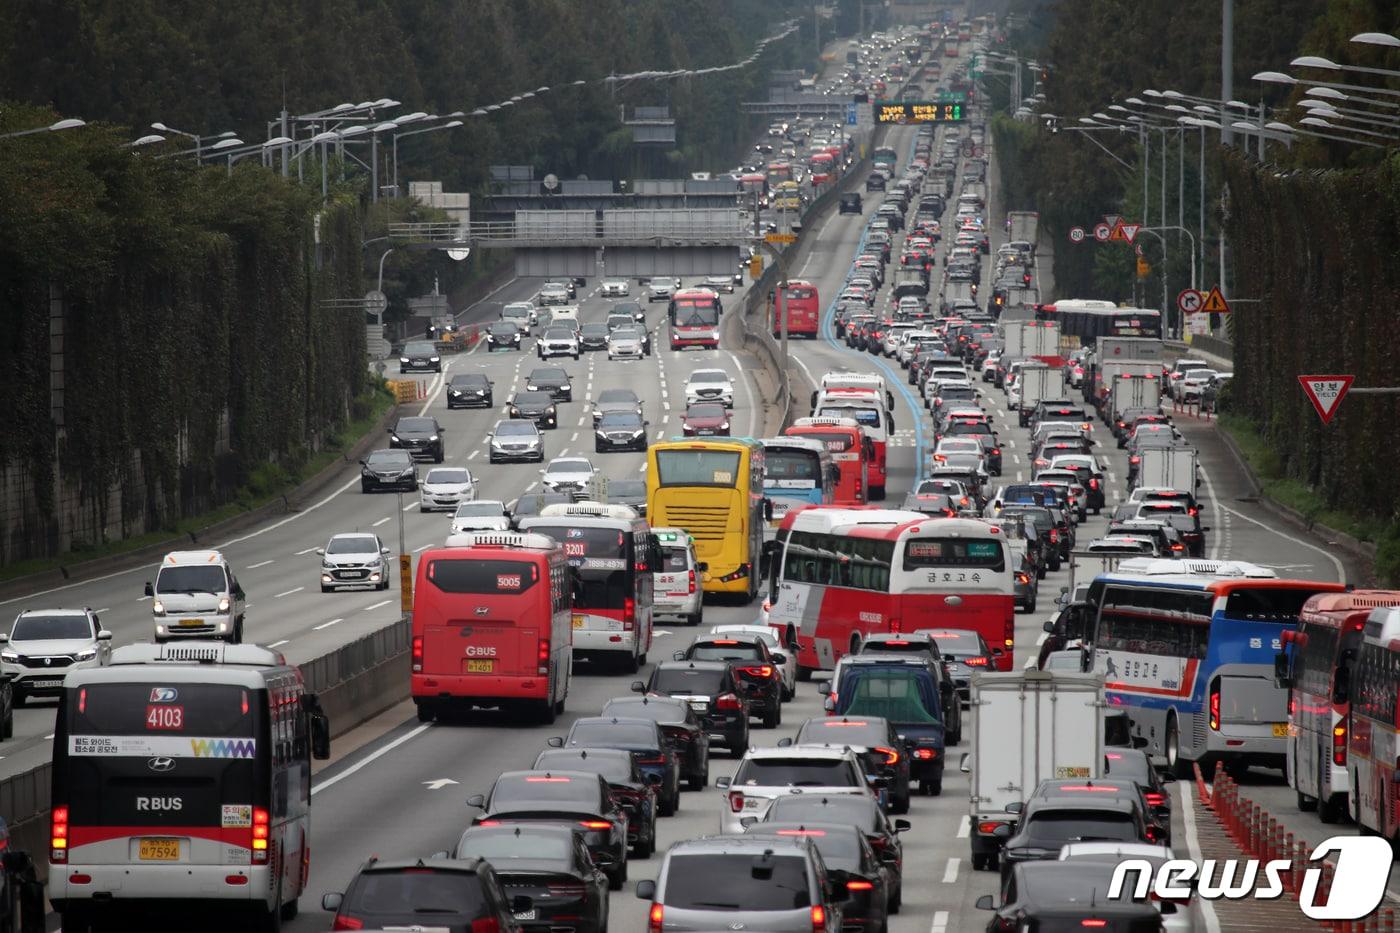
[[851, 115]]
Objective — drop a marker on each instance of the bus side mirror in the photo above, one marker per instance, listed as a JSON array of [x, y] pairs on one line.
[[320, 736], [768, 510], [150, 590], [1283, 678]]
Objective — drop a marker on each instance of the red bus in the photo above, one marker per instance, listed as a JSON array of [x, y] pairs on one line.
[[803, 309], [491, 627], [821, 167], [778, 172], [1374, 729], [837, 575], [1315, 664], [694, 314], [852, 451], [754, 185]]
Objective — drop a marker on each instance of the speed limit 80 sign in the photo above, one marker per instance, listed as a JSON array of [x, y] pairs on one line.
[[1076, 234]]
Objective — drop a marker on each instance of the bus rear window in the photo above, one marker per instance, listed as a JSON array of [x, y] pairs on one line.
[[482, 576], [953, 552], [801, 294], [154, 708]]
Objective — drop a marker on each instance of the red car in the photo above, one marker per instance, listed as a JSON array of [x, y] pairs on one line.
[[705, 419]]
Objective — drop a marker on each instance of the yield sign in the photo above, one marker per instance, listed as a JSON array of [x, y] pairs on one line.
[[1325, 393], [1130, 231], [1215, 302], [1112, 220]]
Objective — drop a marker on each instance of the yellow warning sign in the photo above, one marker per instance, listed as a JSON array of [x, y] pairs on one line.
[[1215, 302], [1117, 234]]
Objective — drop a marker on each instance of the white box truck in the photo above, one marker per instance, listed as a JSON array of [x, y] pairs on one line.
[[1132, 390], [1027, 727], [1105, 373], [1023, 226], [1128, 348], [1026, 339], [1038, 383], [1168, 468]]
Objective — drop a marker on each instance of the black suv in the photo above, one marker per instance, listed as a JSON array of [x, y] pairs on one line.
[[502, 335], [710, 689], [470, 390], [553, 380], [462, 892], [629, 785], [549, 866], [534, 406], [420, 436], [420, 356], [755, 671], [682, 727], [388, 469]]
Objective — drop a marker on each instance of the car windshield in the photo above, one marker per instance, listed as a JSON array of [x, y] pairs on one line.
[[614, 765], [419, 348], [569, 466], [478, 509], [389, 459], [1128, 766], [839, 847], [958, 644], [550, 375], [594, 330], [38, 627], [612, 734], [466, 381], [495, 844], [709, 376], [860, 812], [416, 426], [663, 711], [503, 327], [191, 578], [450, 476], [1054, 828], [516, 429], [796, 772], [686, 681], [734, 881], [843, 731], [627, 333], [513, 788], [353, 544], [533, 398], [620, 419], [554, 333], [704, 412], [726, 650], [627, 489]]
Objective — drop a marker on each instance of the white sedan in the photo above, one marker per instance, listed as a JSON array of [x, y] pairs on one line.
[[616, 288], [445, 488]]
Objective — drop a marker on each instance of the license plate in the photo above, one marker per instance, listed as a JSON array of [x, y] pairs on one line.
[[1281, 729], [159, 850], [191, 621], [480, 667], [578, 621], [42, 684], [526, 915], [699, 705], [352, 574]]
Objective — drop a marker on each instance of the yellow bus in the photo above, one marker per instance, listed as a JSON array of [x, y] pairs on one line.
[[713, 488]]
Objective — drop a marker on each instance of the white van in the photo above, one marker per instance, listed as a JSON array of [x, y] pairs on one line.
[[196, 595], [677, 585]]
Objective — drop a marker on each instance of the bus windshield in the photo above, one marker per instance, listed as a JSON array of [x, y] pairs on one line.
[[696, 315], [697, 467]]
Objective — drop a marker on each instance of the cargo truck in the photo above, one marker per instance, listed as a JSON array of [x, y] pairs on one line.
[[1027, 727], [1105, 373], [1022, 226], [1167, 468], [1128, 348], [1037, 383], [1131, 390]]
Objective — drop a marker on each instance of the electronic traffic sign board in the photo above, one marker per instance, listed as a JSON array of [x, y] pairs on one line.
[[908, 111]]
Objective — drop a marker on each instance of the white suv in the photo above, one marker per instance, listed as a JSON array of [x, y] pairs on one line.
[[709, 385], [45, 644], [765, 774]]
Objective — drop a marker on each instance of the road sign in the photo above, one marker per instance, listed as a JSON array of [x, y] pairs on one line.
[[1143, 269], [781, 238], [1215, 302], [1076, 234], [889, 111], [376, 302], [1112, 220], [1190, 301], [1325, 393], [1115, 234], [1102, 232], [1130, 231], [851, 118]]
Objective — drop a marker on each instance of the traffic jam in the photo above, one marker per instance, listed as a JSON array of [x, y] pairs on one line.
[[970, 635]]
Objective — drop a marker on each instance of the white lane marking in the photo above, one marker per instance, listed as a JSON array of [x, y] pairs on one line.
[[382, 602], [288, 592], [381, 521], [278, 644], [49, 736], [305, 550], [1188, 816], [748, 393], [103, 609], [373, 757], [661, 435], [410, 507], [940, 920], [950, 874], [573, 437], [642, 468], [421, 548], [1341, 570], [435, 388], [317, 628], [261, 563], [964, 826], [139, 599], [472, 455]]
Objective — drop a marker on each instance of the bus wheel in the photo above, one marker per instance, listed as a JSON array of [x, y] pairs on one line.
[[1171, 749], [426, 712], [291, 909], [545, 712]]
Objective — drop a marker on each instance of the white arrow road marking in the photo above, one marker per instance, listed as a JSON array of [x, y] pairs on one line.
[[438, 784]]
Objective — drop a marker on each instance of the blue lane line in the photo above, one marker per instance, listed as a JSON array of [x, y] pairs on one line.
[[896, 379]]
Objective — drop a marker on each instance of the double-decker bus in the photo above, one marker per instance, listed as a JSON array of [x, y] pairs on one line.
[[837, 575], [1187, 647], [1315, 665], [182, 778], [694, 314], [1372, 762], [1088, 320], [850, 449], [613, 554], [491, 617], [712, 488], [797, 471], [871, 411], [799, 301]]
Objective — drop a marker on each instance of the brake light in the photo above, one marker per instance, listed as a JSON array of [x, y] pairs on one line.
[[859, 885], [988, 828], [654, 918], [818, 918], [417, 654], [1022, 577], [1215, 704], [692, 582], [348, 923], [736, 800], [1155, 799], [925, 754], [1134, 459], [1153, 834], [58, 833], [261, 830], [486, 925], [595, 824], [543, 656], [765, 671], [1339, 745], [728, 701], [1096, 924], [1054, 534], [975, 662], [629, 613], [1093, 483]]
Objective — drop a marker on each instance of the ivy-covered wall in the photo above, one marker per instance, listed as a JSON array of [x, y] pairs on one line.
[[157, 322]]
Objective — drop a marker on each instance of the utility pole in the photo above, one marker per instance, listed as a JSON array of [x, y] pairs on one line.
[[1227, 67]]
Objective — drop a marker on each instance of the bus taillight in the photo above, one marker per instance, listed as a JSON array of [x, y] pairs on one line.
[[629, 613], [261, 831], [1339, 745], [58, 826], [417, 654], [543, 656], [1215, 704]]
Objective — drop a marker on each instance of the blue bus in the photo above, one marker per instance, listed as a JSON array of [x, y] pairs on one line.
[[797, 471], [1187, 647]]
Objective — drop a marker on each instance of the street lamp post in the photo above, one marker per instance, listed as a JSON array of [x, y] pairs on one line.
[[68, 124]]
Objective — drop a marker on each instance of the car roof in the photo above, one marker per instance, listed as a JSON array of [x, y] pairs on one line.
[[471, 864], [741, 844], [697, 665], [829, 752], [75, 612]]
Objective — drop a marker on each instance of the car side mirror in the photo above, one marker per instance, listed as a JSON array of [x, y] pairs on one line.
[[784, 742], [965, 763], [824, 688], [638, 687], [151, 591], [555, 741], [985, 902], [1015, 806], [646, 889], [5, 639], [722, 783], [478, 801], [331, 902], [677, 655]]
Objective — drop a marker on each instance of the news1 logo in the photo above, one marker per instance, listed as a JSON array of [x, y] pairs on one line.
[[1358, 882]]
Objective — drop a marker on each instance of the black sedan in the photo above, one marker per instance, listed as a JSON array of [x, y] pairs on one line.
[[757, 674], [502, 335], [646, 743], [862, 882], [538, 407], [633, 308], [633, 789], [865, 814], [421, 437], [553, 380], [470, 390], [420, 356], [682, 727], [620, 430], [550, 866], [579, 800], [710, 689], [388, 469]]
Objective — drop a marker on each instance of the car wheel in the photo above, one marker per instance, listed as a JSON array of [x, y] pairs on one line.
[[618, 877], [931, 788]]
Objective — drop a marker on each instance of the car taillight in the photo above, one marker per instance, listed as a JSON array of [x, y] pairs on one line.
[[486, 925], [692, 582], [765, 671], [595, 824], [891, 756], [261, 830], [1339, 745], [1153, 834], [1134, 459], [736, 800], [975, 662], [857, 884], [925, 754], [1215, 704], [1022, 577], [417, 654], [728, 701], [629, 613], [543, 656], [58, 834], [1093, 484], [348, 923], [566, 890], [988, 828], [654, 918], [1155, 799], [818, 918], [652, 760], [1054, 534]]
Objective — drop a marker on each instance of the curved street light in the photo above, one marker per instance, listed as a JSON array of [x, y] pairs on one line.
[[1384, 39]]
